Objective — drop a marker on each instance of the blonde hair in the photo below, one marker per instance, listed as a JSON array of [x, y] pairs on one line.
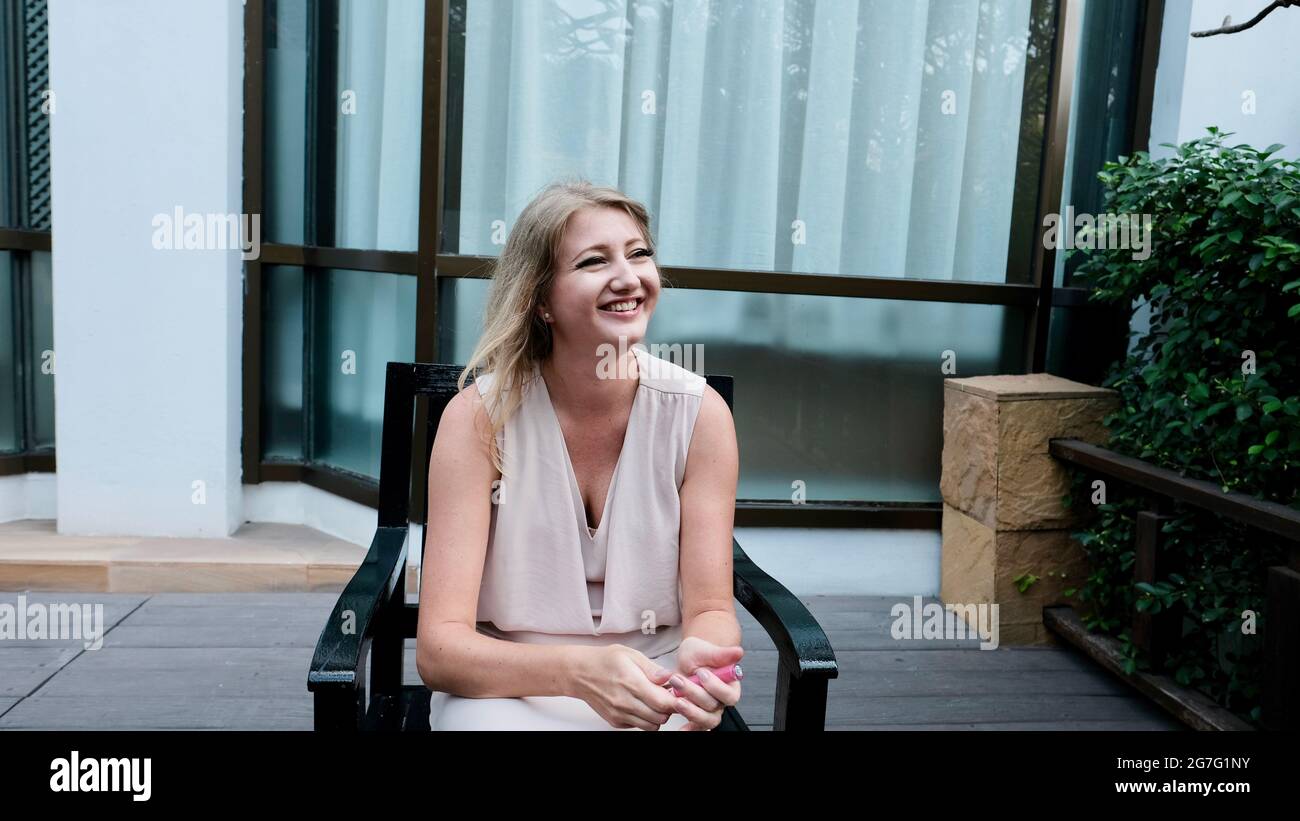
[[515, 339]]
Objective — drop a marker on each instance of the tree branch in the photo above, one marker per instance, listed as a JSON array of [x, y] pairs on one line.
[[1276, 4]]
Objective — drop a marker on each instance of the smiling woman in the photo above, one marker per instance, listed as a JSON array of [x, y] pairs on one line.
[[589, 507]]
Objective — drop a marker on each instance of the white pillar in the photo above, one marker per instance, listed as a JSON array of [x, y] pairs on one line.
[[148, 117]]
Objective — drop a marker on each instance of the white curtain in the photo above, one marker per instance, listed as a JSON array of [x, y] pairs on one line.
[[372, 316], [380, 78], [865, 137]]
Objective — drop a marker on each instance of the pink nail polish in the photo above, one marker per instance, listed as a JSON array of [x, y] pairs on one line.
[[730, 673]]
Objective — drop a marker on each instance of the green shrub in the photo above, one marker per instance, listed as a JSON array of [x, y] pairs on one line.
[[1213, 391]]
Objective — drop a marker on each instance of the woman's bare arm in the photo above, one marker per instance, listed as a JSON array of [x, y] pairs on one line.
[[451, 655], [708, 499]]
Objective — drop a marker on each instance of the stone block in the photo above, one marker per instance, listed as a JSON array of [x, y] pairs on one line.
[[981, 565], [996, 467]]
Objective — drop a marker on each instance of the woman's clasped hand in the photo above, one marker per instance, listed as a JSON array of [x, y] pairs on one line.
[[626, 688]]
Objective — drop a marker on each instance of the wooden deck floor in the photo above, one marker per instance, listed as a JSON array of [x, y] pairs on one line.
[[240, 660]]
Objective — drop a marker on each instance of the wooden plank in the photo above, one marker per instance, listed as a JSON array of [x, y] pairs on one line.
[[1024, 659], [1187, 705], [1156, 633], [197, 673], [225, 661], [933, 683], [845, 641], [183, 616], [1048, 726], [23, 668], [1282, 646], [1269, 516], [291, 601], [857, 631], [1027, 661], [265, 712], [872, 621], [235, 634], [116, 607], [186, 617], [822, 605], [992, 709], [116, 601], [866, 680]]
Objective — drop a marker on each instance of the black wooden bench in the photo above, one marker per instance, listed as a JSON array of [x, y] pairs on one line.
[[372, 617]]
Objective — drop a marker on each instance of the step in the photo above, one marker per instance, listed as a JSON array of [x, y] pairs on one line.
[[259, 557]]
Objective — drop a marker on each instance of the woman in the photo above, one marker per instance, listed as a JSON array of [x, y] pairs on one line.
[[580, 525]]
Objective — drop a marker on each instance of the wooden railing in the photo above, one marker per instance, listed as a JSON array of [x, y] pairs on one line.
[[1159, 633]]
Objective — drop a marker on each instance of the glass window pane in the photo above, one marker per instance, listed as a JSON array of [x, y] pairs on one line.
[[843, 394], [1086, 340], [11, 437], [360, 322], [795, 136], [26, 352], [282, 347], [342, 128], [41, 349], [285, 126], [1102, 109]]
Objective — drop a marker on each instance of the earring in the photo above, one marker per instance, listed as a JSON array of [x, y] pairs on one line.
[[548, 317]]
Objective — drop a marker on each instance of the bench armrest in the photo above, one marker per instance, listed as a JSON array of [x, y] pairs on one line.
[[336, 676], [807, 661]]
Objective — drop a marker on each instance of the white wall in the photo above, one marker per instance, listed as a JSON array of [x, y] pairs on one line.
[[1207, 81], [27, 496], [148, 117]]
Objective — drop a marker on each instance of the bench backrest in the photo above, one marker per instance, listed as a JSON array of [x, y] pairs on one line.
[[407, 382]]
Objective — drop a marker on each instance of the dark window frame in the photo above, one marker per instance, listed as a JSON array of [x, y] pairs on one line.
[[23, 241], [428, 265]]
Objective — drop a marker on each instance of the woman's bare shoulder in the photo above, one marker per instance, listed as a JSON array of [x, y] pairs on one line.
[[464, 424], [714, 419], [467, 404], [713, 436]]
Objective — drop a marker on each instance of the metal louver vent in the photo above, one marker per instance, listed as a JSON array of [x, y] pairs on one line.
[[37, 81]]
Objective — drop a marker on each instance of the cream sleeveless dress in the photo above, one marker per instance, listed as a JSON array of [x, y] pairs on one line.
[[549, 578]]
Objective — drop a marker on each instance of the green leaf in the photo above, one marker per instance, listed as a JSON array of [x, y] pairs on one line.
[[1224, 281]]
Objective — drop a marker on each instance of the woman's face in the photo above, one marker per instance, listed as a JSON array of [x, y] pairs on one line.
[[603, 264]]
